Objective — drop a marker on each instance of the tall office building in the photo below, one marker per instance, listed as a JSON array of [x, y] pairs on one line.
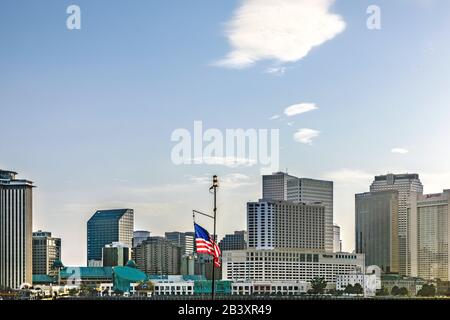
[[185, 240], [429, 235], [236, 241], [282, 186], [284, 224], [376, 229], [337, 242], [115, 254], [106, 227], [158, 256], [46, 250], [139, 236], [405, 184], [16, 235]]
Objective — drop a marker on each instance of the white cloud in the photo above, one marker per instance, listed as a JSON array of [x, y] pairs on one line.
[[300, 108], [275, 117], [306, 135], [399, 150], [229, 181], [280, 30], [231, 162], [277, 71]]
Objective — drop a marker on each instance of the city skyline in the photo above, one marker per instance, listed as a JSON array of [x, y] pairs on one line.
[[96, 107]]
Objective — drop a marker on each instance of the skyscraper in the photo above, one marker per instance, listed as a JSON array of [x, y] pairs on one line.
[[46, 250], [185, 240], [158, 256], [283, 224], [429, 234], [405, 184], [139, 236], [282, 186], [16, 215], [115, 254], [337, 242], [376, 230], [236, 241], [106, 227]]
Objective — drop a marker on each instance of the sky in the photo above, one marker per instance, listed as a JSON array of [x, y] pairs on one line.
[[88, 114]]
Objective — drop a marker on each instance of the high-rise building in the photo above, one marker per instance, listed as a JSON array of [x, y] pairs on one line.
[[106, 227], [236, 241], [16, 234], [158, 256], [376, 230], [282, 186], [46, 250], [429, 234], [337, 242], [288, 265], [139, 236], [115, 254], [185, 240], [283, 224], [405, 184]]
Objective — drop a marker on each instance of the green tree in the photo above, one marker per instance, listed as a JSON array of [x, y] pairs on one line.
[[403, 291], [318, 285], [349, 289], [358, 289], [428, 290], [395, 291], [382, 292]]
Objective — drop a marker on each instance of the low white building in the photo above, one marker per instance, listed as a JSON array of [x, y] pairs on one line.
[[288, 265], [273, 288], [370, 281], [173, 285]]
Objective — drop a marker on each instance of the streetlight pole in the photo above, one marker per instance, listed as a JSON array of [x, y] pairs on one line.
[[214, 187]]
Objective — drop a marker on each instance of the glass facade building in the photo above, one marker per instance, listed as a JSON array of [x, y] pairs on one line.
[[106, 227]]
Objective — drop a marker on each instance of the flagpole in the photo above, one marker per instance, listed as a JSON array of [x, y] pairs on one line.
[[214, 186]]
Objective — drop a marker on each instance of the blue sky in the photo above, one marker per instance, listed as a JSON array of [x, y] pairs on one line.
[[88, 114]]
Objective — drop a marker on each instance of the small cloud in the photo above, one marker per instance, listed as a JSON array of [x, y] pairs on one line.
[[400, 151], [281, 31], [300, 108], [230, 181], [275, 117], [277, 71], [306, 136], [231, 162], [290, 124]]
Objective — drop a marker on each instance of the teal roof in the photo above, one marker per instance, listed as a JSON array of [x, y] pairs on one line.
[[43, 279], [108, 214], [87, 272], [129, 274]]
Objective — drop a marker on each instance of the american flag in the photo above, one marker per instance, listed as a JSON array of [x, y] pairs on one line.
[[206, 244]]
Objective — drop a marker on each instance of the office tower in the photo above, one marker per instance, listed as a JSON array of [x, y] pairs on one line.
[[46, 250], [405, 184], [185, 240], [105, 227], [429, 233], [115, 254], [337, 242], [236, 241], [158, 256], [16, 235], [139, 236], [376, 229], [281, 186], [284, 224], [288, 265]]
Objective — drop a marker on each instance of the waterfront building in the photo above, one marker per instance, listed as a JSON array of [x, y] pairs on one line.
[[106, 227], [16, 234]]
